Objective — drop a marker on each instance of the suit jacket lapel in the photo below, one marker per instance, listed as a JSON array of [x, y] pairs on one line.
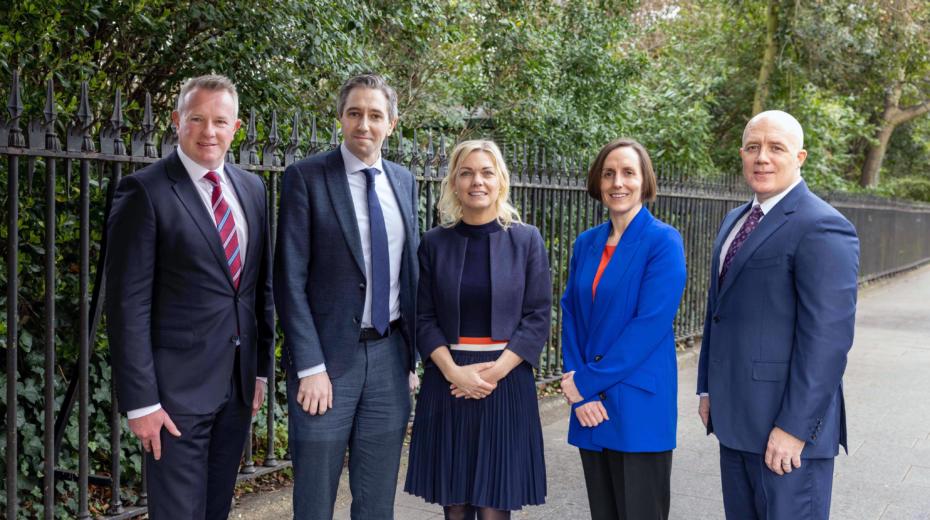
[[186, 191], [722, 235], [614, 275], [341, 197], [397, 185], [251, 211]]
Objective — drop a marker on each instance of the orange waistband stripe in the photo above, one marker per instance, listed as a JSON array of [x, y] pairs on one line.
[[480, 341]]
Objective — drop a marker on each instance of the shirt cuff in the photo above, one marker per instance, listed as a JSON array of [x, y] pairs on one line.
[[703, 394], [142, 412], [318, 369], [262, 379]]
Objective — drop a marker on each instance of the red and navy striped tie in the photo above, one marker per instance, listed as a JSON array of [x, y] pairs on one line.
[[226, 226]]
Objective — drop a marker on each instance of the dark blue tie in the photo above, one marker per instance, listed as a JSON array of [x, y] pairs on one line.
[[380, 259]]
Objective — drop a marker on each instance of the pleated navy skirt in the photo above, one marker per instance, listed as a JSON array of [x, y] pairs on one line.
[[484, 452]]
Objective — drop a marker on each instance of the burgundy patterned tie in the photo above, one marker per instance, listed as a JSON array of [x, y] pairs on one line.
[[748, 226], [226, 226]]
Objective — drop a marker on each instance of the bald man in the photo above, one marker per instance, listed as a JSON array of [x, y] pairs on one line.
[[780, 314]]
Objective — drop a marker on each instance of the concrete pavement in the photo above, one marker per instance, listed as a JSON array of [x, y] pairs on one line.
[[886, 475]]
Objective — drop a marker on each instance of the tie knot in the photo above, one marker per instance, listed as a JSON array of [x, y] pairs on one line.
[[756, 212], [213, 177], [370, 174]]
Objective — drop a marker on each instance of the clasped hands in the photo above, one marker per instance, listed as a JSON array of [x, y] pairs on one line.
[[475, 381], [589, 414]]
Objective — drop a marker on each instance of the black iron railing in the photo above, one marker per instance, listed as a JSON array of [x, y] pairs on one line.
[[48, 307]]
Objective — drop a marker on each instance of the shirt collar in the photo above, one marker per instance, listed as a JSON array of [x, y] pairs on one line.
[[197, 171], [772, 201], [354, 164]]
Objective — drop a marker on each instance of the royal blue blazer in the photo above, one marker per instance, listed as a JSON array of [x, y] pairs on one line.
[[521, 290], [621, 344]]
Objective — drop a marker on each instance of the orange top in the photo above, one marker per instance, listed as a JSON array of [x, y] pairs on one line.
[[605, 258]]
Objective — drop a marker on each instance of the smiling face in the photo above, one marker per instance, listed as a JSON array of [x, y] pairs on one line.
[[206, 126], [366, 123], [772, 155], [622, 181], [477, 186]]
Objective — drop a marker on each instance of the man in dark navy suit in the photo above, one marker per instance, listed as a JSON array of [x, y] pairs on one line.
[[189, 307], [345, 285], [780, 315]]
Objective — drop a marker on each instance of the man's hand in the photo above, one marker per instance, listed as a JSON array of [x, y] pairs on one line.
[[315, 394], [591, 414], [466, 381], [259, 396], [783, 451], [413, 380], [569, 389], [148, 429], [704, 409]]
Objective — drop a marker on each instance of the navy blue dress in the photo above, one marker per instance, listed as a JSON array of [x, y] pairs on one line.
[[484, 452]]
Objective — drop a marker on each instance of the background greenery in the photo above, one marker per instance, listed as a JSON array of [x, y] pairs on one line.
[[681, 76]]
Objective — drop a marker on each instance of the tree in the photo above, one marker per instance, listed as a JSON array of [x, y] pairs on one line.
[[907, 84]]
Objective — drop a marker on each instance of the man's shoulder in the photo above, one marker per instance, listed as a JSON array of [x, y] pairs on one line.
[[396, 168], [815, 209], [156, 173], [316, 161]]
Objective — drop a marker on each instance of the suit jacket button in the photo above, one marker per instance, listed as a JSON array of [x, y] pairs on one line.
[[361, 286], [603, 396], [716, 319], [355, 320], [598, 357]]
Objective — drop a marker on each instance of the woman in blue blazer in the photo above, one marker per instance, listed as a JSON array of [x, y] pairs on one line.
[[618, 345], [483, 317]]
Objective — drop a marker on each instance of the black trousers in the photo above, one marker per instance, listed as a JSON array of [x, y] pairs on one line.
[[628, 486]]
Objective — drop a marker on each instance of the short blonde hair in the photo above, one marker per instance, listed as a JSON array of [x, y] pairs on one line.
[[450, 207]]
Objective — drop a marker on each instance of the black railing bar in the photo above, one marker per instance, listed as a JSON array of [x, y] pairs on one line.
[[12, 338], [48, 490]]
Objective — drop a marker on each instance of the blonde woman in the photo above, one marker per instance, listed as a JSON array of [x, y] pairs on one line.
[[483, 314]]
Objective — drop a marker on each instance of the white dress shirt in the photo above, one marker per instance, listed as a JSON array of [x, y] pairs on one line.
[[393, 222], [205, 190]]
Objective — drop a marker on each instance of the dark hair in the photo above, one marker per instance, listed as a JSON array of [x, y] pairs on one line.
[[373, 81], [645, 164]]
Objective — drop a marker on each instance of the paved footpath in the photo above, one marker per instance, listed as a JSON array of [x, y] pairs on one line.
[[886, 475]]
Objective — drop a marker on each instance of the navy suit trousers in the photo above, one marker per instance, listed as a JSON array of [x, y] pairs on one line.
[[751, 491], [196, 474]]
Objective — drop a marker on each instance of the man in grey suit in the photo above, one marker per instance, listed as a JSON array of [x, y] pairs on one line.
[[345, 280]]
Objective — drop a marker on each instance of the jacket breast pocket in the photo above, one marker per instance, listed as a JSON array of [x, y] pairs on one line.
[[764, 262], [172, 338], [769, 370]]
